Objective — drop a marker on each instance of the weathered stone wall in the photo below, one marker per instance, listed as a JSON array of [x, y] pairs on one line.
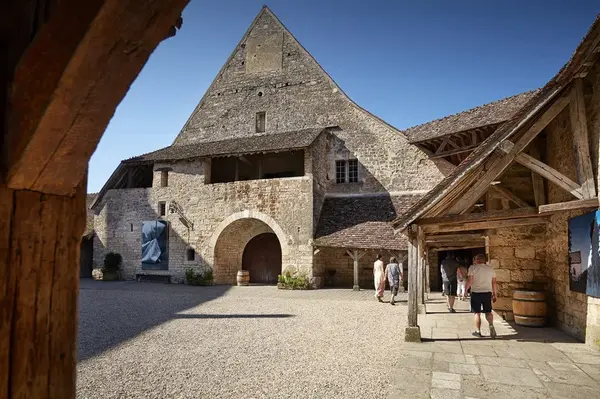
[[434, 271], [206, 206], [318, 156], [518, 255], [568, 310], [295, 93]]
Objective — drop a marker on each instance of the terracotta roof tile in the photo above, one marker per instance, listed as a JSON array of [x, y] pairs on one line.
[[240, 145], [487, 114], [362, 222]]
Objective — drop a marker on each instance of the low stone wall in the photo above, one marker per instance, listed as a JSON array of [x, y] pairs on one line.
[[518, 256]]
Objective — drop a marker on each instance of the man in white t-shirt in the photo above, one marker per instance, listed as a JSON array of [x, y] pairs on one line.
[[482, 281]]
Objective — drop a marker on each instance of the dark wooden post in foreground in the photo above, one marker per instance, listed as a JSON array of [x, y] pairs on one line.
[[69, 63]]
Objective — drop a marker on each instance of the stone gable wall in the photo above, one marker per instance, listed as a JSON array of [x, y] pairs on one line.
[[299, 95]]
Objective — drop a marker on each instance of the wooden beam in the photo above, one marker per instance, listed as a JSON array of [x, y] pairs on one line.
[[453, 238], [493, 224], [570, 205], [551, 174], [56, 123], [496, 166], [457, 248], [454, 151], [509, 195], [479, 217], [578, 115], [537, 182]]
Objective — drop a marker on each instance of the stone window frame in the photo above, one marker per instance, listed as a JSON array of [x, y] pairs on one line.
[[162, 208], [351, 170], [164, 176], [261, 122], [188, 251]]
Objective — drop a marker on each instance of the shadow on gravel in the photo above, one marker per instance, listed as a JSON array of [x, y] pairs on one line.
[[232, 316], [111, 313]]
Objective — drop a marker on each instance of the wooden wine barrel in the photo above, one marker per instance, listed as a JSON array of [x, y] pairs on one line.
[[529, 308], [243, 277]]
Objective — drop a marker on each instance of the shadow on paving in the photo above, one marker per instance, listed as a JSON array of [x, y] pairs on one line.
[[111, 313]]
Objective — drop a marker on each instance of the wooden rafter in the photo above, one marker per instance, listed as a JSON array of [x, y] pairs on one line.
[[509, 195], [539, 188], [551, 174], [585, 174], [498, 164]]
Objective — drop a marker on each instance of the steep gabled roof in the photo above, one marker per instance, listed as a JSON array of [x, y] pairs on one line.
[[362, 222], [334, 85], [483, 115], [525, 115], [240, 145]]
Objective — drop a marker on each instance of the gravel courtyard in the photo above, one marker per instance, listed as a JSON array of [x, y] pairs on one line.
[[142, 340]]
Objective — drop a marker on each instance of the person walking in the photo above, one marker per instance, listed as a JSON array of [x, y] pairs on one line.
[[461, 278], [449, 270], [394, 275], [482, 281], [379, 278]]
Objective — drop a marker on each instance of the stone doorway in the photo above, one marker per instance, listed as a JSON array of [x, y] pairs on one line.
[[250, 241], [262, 258]]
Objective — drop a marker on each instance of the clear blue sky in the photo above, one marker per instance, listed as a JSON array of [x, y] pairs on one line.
[[408, 62]]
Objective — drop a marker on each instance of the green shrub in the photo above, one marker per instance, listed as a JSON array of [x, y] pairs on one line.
[[297, 282], [193, 277], [112, 262]]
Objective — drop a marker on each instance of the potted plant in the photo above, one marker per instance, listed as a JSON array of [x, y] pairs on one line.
[[112, 265]]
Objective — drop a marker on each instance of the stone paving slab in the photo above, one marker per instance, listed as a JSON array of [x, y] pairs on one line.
[[520, 363]]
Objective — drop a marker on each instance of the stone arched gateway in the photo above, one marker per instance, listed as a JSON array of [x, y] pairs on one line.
[[235, 242]]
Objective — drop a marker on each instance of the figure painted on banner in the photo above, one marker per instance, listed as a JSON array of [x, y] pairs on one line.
[[449, 269], [379, 278], [393, 272]]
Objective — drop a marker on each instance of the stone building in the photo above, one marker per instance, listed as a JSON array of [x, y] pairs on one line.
[[276, 170], [514, 195]]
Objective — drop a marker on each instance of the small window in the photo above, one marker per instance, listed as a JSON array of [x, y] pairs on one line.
[[261, 122], [352, 170], [346, 171], [164, 178], [190, 254], [130, 226], [162, 208], [340, 171]]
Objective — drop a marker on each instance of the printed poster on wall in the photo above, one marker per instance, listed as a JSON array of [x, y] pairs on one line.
[[584, 275]]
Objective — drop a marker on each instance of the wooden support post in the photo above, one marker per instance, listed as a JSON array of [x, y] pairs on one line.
[[551, 174], [39, 283], [421, 269], [578, 115], [412, 333], [355, 254]]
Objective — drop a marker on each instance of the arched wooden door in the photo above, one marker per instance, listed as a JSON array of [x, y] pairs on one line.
[[262, 258]]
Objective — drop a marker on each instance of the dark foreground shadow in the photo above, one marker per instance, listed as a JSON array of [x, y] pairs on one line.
[[232, 316], [111, 313]]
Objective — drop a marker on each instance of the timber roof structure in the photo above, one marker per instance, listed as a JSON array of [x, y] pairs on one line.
[[493, 113], [576, 66], [271, 142], [362, 222]]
